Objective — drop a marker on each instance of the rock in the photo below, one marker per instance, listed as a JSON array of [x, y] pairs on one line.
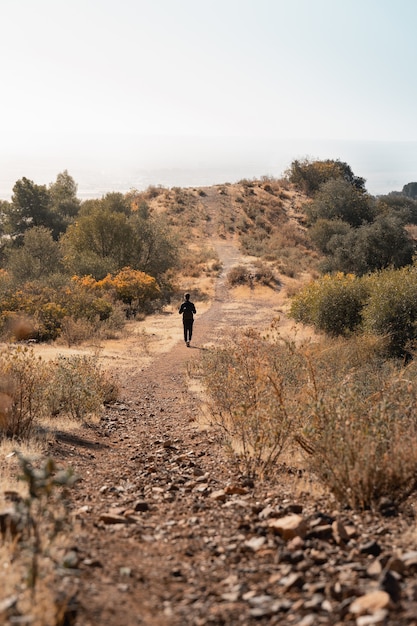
[[71, 559], [141, 506], [410, 560], [340, 534], [235, 490], [292, 581], [370, 603], [289, 526], [370, 547], [324, 532], [374, 570], [376, 619], [112, 518], [268, 512], [391, 583], [255, 543], [8, 603], [295, 544], [395, 564], [218, 495]]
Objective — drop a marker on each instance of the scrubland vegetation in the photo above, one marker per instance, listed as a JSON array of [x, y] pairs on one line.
[[340, 407]]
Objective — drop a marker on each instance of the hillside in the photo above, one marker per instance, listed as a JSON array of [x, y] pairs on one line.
[[166, 531]]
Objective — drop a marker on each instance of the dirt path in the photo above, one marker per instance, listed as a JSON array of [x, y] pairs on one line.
[[150, 540], [166, 533]]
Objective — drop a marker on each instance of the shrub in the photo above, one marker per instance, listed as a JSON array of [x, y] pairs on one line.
[[339, 200], [248, 399], [391, 309], [332, 304], [323, 231], [132, 287], [309, 176], [384, 243], [238, 275], [363, 445], [23, 379], [77, 386]]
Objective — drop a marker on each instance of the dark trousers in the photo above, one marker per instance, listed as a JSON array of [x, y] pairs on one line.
[[188, 329]]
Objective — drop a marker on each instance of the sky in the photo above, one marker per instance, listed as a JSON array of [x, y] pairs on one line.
[[118, 86]]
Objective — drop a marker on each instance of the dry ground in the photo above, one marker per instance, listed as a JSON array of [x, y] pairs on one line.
[[166, 531]]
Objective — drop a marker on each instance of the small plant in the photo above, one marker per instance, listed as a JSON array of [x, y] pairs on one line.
[[363, 446], [249, 404], [23, 379], [238, 275], [35, 548], [78, 387]]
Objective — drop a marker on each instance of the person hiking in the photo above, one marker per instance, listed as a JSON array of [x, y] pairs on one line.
[[188, 310]]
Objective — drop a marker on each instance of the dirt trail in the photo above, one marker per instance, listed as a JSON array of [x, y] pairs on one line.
[[166, 532], [154, 545], [146, 525]]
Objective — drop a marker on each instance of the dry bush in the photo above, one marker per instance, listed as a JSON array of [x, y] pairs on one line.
[[74, 331], [360, 426], [23, 380], [34, 550], [239, 275], [31, 389], [78, 387], [248, 392], [348, 407], [363, 449]]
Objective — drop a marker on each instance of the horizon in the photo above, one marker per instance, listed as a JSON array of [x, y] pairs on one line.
[[386, 166], [119, 92]]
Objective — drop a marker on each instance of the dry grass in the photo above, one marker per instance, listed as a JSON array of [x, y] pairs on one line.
[[350, 410]]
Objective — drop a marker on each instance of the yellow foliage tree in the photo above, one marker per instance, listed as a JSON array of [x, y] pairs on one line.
[[132, 287]]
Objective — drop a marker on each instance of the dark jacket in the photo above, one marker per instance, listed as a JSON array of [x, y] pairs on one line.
[[187, 309]]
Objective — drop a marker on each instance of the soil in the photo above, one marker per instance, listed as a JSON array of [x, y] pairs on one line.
[[168, 532]]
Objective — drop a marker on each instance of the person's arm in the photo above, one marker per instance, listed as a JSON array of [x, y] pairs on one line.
[[181, 308]]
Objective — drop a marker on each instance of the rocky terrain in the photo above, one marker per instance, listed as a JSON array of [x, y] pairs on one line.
[[168, 532]]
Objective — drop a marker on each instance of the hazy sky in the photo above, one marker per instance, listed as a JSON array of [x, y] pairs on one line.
[[169, 81]]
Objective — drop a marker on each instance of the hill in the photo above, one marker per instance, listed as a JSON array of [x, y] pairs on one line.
[[165, 529]]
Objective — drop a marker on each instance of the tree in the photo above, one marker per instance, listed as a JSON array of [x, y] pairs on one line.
[[154, 250], [64, 202], [101, 239], [38, 256], [337, 199], [403, 206], [309, 175], [116, 203], [30, 206], [383, 244]]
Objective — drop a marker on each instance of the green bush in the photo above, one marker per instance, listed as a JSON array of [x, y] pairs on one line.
[[332, 304], [323, 231], [391, 309], [339, 200], [381, 244]]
